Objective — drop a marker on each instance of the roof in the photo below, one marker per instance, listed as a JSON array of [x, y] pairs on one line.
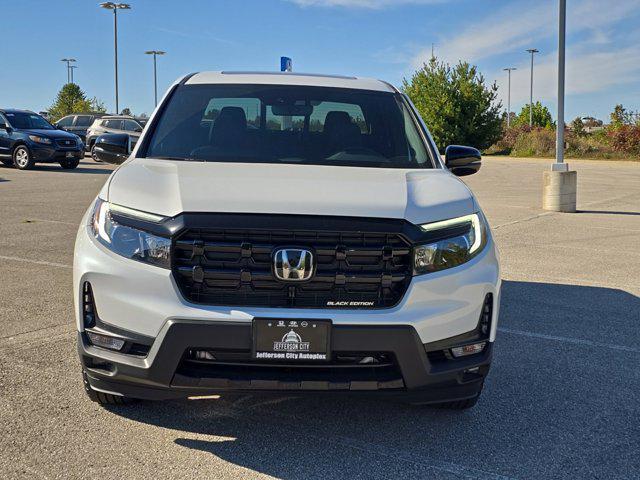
[[15, 110], [289, 78]]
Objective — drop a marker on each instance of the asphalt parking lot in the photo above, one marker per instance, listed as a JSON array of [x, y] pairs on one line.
[[562, 400]]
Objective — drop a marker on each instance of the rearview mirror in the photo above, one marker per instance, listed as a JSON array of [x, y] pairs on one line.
[[462, 160], [112, 148]]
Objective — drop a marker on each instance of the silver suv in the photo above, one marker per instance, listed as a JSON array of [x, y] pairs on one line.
[[131, 126]]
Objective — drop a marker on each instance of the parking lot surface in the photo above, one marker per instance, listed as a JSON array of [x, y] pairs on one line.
[[562, 400]]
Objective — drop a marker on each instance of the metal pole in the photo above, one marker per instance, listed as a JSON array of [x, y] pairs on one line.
[[68, 77], [531, 95], [155, 80], [71, 74], [562, 27], [509, 102], [115, 46]]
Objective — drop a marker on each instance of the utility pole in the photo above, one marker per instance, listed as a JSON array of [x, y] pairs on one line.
[[510, 69], [115, 7], [72, 68], [155, 74], [560, 184], [532, 51]]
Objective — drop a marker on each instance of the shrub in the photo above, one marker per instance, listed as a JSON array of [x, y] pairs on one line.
[[539, 142], [625, 139]]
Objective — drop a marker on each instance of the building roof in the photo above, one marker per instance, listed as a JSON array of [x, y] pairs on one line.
[[289, 78]]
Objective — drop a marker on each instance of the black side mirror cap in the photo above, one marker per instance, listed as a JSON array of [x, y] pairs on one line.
[[4, 126], [462, 160], [113, 148]]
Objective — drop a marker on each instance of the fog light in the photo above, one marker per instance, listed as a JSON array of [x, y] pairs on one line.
[[468, 349], [105, 341], [204, 355]]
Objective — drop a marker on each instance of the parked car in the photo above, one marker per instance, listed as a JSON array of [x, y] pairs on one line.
[[307, 239], [26, 139], [78, 123], [114, 124]]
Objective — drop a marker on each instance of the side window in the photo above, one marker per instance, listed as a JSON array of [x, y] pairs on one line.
[[251, 107], [319, 115], [83, 121], [66, 121], [131, 126], [114, 124]]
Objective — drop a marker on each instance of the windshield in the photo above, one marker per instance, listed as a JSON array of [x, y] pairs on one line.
[[25, 121], [288, 124]]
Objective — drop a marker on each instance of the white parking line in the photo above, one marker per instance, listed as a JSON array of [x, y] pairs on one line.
[[36, 262], [575, 341]]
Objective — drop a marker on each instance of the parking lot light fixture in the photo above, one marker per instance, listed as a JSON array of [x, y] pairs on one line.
[[509, 69], [560, 184], [68, 61], [115, 7], [155, 53], [532, 51]]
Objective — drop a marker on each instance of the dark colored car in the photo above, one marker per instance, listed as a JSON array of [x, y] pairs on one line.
[[78, 123], [26, 139], [131, 126]]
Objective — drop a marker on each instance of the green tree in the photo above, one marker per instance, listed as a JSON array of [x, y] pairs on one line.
[[456, 104], [577, 125], [70, 99], [97, 106], [125, 111], [541, 116]]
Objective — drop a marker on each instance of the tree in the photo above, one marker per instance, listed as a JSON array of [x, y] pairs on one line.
[[97, 106], [541, 116], [70, 99], [577, 126], [456, 104], [125, 111]]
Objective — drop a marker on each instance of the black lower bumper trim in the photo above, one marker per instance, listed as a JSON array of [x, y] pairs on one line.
[[161, 375]]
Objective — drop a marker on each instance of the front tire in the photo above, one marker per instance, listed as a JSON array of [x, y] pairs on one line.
[[22, 158], [69, 164], [103, 398], [94, 157]]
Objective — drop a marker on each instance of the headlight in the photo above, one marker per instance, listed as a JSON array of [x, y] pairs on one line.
[[37, 139], [128, 241], [458, 241]]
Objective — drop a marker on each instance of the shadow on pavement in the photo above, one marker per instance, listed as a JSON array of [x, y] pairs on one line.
[[550, 409], [603, 212]]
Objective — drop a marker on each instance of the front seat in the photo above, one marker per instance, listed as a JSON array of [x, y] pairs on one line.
[[227, 135], [340, 132]]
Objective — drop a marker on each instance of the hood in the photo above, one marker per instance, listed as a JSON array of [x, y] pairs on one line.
[[169, 187], [43, 132]]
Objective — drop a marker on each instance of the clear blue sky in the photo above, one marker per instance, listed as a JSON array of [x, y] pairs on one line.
[[386, 39]]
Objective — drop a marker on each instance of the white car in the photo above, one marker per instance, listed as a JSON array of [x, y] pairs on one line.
[[285, 233]]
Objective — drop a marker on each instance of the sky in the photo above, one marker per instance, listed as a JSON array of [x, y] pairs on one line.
[[386, 39]]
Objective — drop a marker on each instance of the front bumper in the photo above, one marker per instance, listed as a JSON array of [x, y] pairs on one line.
[[51, 154], [417, 375]]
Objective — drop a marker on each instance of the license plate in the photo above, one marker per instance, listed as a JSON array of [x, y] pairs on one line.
[[70, 155], [291, 340]]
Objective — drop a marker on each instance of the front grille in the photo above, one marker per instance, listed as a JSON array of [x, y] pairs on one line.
[[233, 267], [236, 369], [66, 143]]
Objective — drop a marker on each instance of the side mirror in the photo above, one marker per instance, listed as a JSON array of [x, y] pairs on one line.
[[462, 160], [3, 126], [138, 129], [113, 148]]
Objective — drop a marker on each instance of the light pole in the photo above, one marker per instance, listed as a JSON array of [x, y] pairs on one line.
[[532, 51], [115, 7], [562, 28], [68, 61], [71, 69], [510, 69], [560, 184], [155, 53]]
